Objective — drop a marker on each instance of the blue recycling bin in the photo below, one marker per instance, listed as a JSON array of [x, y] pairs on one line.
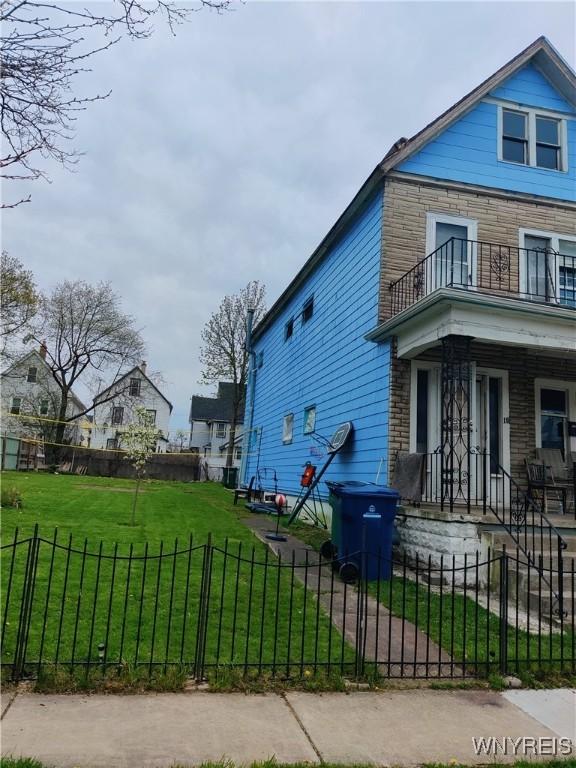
[[363, 528]]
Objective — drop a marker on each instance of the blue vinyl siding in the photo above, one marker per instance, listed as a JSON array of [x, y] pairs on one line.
[[327, 363], [467, 151]]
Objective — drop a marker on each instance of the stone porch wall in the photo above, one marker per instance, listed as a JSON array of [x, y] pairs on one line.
[[499, 217], [523, 366]]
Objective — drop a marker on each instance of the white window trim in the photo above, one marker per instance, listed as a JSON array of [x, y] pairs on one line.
[[531, 113], [554, 238], [307, 410], [433, 218], [562, 384]]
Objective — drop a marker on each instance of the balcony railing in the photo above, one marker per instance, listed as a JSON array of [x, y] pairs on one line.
[[542, 276]]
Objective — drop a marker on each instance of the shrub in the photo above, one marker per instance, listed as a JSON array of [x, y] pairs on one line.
[[11, 497]]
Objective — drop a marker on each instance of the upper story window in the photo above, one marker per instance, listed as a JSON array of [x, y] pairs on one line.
[[533, 138], [32, 376], [135, 386], [44, 406], [289, 329], [15, 405], [221, 429], [151, 414], [308, 310]]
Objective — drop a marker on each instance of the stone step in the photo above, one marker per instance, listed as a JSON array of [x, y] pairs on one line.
[[547, 545], [548, 605]]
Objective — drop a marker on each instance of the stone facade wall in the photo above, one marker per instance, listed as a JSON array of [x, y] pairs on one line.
[[523, 366], [499, 218], [406, 203]]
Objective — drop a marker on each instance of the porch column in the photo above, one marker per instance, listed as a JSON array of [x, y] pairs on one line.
[[456, 420]]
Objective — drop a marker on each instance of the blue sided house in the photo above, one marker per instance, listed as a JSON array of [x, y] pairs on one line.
[[438, 315]]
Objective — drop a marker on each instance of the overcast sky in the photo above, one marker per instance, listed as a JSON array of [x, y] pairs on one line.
[[226, 153]]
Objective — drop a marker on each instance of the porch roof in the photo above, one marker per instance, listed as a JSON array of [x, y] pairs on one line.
[[484, 317]]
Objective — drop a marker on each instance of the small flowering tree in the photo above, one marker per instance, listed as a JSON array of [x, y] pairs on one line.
[[139, 442]]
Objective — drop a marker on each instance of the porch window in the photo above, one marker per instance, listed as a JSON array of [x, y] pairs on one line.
[[553, 416]]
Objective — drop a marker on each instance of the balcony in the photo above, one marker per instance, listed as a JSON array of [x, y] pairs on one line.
[[493, 293], [534, 276]]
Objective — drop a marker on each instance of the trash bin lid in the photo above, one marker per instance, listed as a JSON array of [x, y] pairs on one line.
[[360, 488]]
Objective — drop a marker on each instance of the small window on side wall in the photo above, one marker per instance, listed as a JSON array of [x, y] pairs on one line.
[[308, 310], [288, 428], [289, 329], [309, 419]]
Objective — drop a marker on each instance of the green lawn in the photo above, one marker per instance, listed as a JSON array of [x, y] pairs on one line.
[[102, 606]]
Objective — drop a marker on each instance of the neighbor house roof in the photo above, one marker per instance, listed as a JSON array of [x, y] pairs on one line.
[[219, 408], [541, 53], [136, 369]]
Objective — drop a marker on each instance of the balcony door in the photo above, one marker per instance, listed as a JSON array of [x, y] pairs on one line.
[[451, 242]]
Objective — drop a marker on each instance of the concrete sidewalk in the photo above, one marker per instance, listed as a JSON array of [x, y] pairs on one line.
[[403, 728]]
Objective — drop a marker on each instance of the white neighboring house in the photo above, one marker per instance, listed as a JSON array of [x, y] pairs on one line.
[[132, 390], [210, 419], [30, 401]]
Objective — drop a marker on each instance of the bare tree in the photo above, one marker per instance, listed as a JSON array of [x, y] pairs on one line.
[[139, 441], [224, 355], [83, 329], [19, 299], [45, 46]]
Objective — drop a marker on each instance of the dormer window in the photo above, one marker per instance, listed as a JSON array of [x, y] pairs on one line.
[[537, 139]]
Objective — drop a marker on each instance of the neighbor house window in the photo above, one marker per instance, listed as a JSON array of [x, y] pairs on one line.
[[533, 138], [135, 385], [32, 375], [238, 454], [16, 405], [260, 359], [117, 415], [289, 329], [151, 416], [221, 429], [308, 310], [288, 428], [44, 404], [309, 419], [111, 443]]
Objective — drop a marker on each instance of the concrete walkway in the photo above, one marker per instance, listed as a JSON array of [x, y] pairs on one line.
[[405, 649], [401, 728]]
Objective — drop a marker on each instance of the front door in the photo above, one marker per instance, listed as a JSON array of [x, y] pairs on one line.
[[491, 436]]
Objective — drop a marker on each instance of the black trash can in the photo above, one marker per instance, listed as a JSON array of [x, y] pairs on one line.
[[230, 477], [362, 529]]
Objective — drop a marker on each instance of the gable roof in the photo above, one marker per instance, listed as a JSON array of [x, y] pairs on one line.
[[219, 408], [136, 369], [37, 358], [541, 53]]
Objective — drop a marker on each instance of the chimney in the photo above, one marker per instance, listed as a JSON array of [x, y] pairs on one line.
[[143, 365], [43, 349]]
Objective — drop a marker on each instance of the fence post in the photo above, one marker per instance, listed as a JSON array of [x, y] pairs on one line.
[[560, 579], [504, 612], [201, 637], [26, 606]]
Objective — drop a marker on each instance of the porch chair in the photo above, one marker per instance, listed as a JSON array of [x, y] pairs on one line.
[[561, 471], [541, 483]]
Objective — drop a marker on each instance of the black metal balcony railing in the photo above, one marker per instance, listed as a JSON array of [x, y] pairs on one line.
[[542, 276]]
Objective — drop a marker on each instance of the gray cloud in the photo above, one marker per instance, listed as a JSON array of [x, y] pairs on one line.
[[226, 153]]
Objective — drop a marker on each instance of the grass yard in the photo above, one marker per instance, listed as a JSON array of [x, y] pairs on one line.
[[97, 580]]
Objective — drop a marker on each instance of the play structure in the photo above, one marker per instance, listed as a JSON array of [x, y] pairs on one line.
[[264, 493]]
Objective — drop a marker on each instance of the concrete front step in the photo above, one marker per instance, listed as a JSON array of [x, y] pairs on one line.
[[546, 545]]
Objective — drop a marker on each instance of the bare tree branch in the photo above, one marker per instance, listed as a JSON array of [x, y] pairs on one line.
[[45, 47]]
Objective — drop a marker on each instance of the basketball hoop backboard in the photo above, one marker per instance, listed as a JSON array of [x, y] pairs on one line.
[[340, 437]]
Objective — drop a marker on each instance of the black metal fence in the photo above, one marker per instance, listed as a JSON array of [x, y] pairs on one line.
[[200, 608], [531, 274]]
